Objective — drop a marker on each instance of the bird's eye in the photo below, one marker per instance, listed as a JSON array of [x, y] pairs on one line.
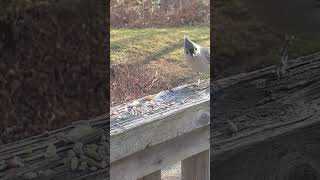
[[195, 48]]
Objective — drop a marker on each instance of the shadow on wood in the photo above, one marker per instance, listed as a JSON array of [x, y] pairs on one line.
[[277, 122]]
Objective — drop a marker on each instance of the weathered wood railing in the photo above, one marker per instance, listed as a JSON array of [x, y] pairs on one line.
[[151, 133], [267, 128], [146, 135], [154, 132]]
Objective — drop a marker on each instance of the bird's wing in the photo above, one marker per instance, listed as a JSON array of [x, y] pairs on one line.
[[206, 53]]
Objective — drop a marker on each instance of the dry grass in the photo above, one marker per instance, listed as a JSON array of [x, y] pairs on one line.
[[147, 13], [132, 81]]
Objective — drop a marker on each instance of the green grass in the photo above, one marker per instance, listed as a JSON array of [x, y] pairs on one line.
[[149, 44]]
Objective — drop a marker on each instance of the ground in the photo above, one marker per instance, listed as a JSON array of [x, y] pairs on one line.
[[149, 60]]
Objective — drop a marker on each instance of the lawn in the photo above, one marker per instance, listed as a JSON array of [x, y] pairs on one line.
[[149, 44], [150, 60]]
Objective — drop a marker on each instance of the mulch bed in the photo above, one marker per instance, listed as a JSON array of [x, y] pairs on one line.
[[52, 65]]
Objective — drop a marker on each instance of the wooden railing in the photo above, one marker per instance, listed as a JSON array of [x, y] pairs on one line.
[[146, 135], [149, 134], [157, 131], [265, 127]]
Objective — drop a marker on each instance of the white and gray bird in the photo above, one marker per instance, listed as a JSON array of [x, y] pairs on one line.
[[197, 57]]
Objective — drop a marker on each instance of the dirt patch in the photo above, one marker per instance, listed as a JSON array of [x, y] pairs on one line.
[[52, 68], [149, 13], [242, 43]]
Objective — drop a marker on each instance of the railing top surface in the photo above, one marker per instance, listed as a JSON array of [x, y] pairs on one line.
[[253, 107], [180, 111], [157, 106], [158, 118]]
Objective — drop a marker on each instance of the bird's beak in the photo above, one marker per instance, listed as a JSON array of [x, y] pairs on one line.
[[188, 47]]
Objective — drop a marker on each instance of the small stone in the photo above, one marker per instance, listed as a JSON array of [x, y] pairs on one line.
[[51, 151], [91, 153], [30, 175], [90, 162], [74, 163]]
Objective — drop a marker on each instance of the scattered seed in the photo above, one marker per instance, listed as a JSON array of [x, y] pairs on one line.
[[103, 165], [93, 168], [114, 113], [51, 151], [77, 148], [102, 152], [83, 165], [90, 162], [134, 103], [74, 163], [71, 153], [91, 153], [66, 161], [94, 147]]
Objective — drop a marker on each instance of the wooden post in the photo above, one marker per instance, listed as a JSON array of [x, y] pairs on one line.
[[196, 167], [154, 176]]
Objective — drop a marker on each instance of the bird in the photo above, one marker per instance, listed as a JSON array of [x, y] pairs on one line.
[[197, 57], [294, 17]]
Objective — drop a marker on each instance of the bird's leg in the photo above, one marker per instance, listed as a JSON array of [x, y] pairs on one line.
[[282, 66], [198, 83]]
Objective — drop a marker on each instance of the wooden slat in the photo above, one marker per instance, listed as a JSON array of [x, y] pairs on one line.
[[196, 167], [129, 134], [263, 107], [188, 109], [154, 176], [159, 156]]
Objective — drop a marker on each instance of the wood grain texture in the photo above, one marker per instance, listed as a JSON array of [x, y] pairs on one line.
[[188, 109], [196, 167], [159, 156], [185, 110], [154, 176], [269, 113]]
